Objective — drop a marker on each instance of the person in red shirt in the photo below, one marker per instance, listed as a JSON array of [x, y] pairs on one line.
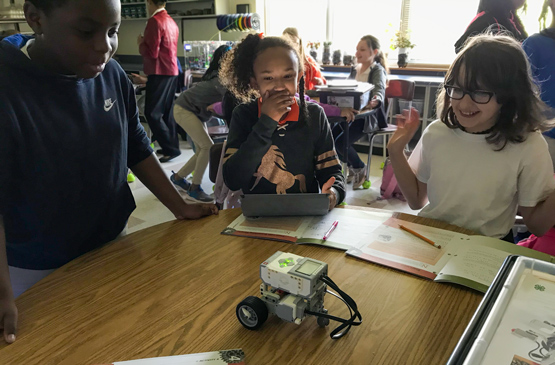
[[312, 74], [159, 50]]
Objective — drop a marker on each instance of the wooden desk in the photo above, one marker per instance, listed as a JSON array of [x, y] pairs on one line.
[[173, 288]]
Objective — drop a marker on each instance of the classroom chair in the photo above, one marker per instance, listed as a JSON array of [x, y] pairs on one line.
[[224, 197], [396, 89]]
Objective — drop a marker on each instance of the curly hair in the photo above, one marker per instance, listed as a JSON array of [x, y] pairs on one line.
[[498, 64], [237, 70]]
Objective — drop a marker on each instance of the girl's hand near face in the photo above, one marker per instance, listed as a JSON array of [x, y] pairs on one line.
[[276, 105]]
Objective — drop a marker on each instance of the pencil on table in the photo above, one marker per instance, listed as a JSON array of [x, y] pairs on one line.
[[427, 240]]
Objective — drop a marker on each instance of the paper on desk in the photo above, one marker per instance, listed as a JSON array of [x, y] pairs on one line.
[[353, 227], [225, 357], [527, 321], [391, 246]]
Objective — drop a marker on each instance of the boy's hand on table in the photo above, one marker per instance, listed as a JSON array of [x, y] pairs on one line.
[[8, 318], [327, 189], [196, 211]]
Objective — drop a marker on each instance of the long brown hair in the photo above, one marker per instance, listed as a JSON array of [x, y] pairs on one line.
[[498, 64], [374, 43], [293, 34]]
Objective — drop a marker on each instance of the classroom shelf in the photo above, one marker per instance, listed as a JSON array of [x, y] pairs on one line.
[[137, 3], [187, 1], [204, 16], [12, 21]]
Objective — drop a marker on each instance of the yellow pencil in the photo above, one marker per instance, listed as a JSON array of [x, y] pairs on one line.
[[427, 240]]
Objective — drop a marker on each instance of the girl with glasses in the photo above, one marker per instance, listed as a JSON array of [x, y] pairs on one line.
[[485, 158]]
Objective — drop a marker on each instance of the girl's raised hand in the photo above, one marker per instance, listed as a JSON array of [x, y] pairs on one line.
[[407, 125], [277, 104]]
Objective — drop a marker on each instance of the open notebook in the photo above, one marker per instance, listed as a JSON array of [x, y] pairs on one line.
[[472, 261]]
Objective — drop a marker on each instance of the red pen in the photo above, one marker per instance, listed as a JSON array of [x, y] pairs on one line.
[[328, 233]]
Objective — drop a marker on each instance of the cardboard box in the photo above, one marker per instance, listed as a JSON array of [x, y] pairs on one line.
[[347, 98]]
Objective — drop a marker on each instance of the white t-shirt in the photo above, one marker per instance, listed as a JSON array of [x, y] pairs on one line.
[[473, 186], [362, 77]]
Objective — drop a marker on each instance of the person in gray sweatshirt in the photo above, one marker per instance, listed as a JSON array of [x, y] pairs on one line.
[[192, 109]]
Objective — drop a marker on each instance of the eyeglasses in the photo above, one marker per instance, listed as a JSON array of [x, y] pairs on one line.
[[478, 96]]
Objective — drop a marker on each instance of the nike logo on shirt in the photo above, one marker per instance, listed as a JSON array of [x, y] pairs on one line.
[[108, 104]]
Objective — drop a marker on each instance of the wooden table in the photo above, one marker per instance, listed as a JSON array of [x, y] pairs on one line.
[[172, 289]]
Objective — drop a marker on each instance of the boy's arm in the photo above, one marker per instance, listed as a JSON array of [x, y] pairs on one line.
[[414, 190], [150, 47], [8, 310], [541, 218], [151, 174]]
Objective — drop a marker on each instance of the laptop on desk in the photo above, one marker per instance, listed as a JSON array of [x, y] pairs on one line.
[[276, 205]]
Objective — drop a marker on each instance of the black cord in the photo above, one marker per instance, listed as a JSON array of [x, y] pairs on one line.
[[346, 324], [532, 355]]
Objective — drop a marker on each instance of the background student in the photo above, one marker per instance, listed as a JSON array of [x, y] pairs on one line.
[[371, 67], [277, 144], [498, 16], [65, 155], [159, 50], [540, 48], [191, 111], [485, 157], [312, 74]]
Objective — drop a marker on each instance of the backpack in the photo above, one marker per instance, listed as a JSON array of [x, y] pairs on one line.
[[390, 188]]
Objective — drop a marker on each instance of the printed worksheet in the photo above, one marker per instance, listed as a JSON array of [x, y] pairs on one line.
[[225, 357], [402, 250], [526, 332], [353, 227]]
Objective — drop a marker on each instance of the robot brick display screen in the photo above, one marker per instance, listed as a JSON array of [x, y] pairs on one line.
[[308, 268]]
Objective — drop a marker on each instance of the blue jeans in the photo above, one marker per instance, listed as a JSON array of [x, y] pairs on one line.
[[356, 129]]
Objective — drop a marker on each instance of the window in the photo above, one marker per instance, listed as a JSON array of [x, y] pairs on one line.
[[353, 19], [530, 17], [435, 26], [308, 16]]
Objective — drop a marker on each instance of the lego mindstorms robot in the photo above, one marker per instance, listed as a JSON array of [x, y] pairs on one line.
[[292, 288]]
